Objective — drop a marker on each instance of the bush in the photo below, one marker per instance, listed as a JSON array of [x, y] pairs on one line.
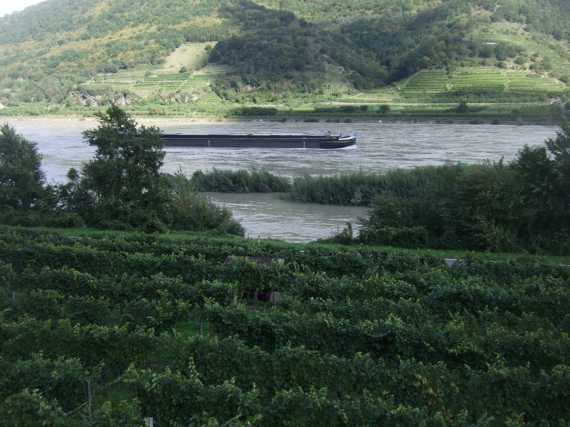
[[41, 218], [66, 220], [190, 211]]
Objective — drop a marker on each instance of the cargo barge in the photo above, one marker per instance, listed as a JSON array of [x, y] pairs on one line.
[[258, 141]]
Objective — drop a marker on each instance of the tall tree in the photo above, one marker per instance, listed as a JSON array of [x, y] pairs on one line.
[[124, 177], [21, 178]]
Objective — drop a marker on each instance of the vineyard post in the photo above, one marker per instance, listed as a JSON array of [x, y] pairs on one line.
[[90, 400]]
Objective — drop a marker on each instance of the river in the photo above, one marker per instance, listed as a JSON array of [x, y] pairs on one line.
[[381, 146]]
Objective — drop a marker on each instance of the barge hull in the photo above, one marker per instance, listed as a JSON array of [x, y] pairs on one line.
[[256, 141]]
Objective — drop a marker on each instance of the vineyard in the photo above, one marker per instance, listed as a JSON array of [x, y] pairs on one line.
[[112, 328], [491, 91], [478, 84], [182, 80]]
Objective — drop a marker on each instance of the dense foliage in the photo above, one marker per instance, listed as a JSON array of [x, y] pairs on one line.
[[284, 335], [275, 45], [123, 180]]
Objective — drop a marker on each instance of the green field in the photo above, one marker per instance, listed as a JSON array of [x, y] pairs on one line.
[[202, 330]]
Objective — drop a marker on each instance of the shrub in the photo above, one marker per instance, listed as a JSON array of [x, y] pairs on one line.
[[190, 211]]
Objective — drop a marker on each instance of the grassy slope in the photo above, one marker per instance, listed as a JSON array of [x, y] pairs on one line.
[[161, 89]]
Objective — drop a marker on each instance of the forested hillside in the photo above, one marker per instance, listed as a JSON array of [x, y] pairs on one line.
[[209, 55]]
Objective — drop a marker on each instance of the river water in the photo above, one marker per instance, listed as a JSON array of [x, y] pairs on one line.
[[381, 146]]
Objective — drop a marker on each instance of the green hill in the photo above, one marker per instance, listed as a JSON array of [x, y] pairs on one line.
[[222, 56]]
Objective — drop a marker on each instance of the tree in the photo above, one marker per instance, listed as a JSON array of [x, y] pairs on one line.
[[559, 149], [544, 175], [122, 187], [21, 178], [72, 196], [536, 174], [124, 177]]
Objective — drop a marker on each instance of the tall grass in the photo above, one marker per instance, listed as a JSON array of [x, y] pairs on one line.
[[242, 181], [361, 188]]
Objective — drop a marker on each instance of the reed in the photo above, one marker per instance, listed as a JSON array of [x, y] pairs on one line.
[[242, 181], [361, 188]]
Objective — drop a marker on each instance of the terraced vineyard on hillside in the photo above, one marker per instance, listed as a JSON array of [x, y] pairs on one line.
[[436, 90], [493, 83], [198, 330], [156, 85]]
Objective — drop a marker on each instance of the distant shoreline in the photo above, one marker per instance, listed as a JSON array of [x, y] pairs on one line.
[[145, 120], [409, 118]]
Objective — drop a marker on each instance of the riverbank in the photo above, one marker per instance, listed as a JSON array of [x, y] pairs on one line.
[[61, 119], [523, 113], [394, 119]]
